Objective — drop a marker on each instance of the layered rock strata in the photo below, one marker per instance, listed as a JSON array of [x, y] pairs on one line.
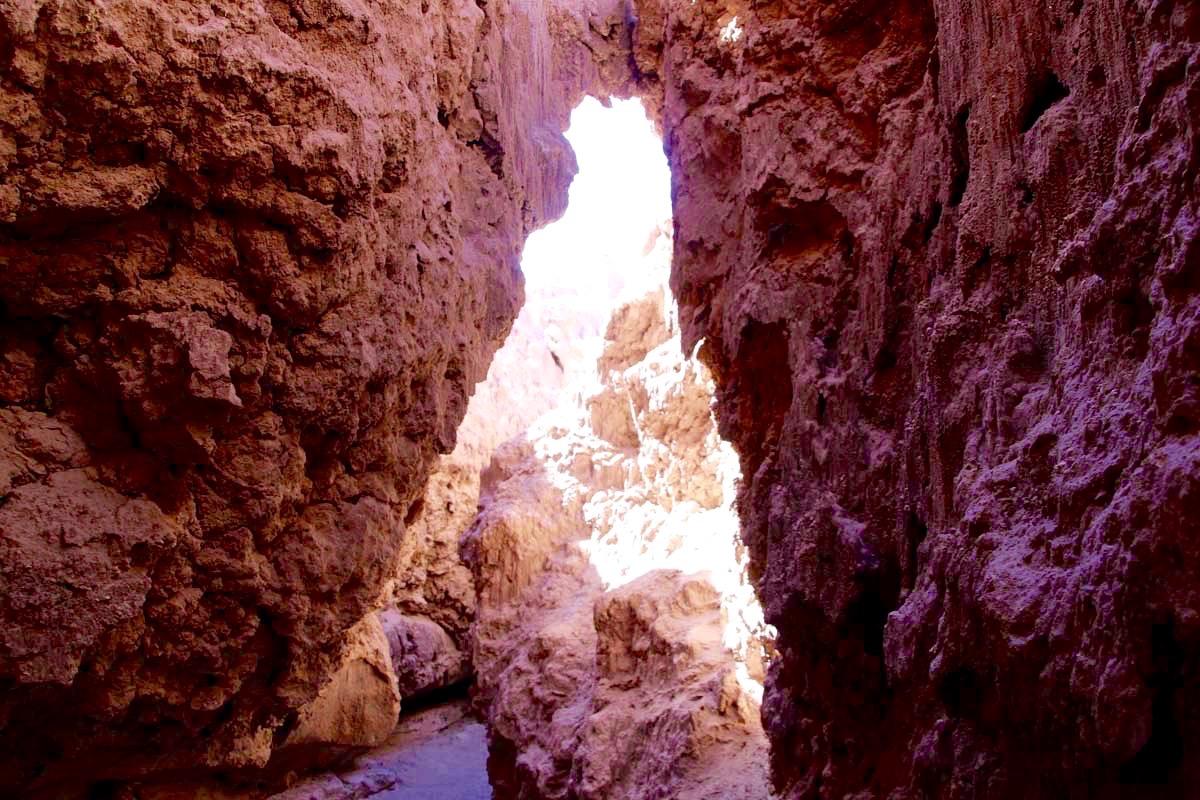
[[253, 259], [942, 259], [618, 646]]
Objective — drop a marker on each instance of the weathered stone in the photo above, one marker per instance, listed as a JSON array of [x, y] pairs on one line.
[[423, 656], [359, 705], [617, 631], [253, 259], [939, 255], [936, 254]]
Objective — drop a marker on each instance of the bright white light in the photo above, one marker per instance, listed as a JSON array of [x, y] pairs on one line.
[[731, 32], [622, 191]]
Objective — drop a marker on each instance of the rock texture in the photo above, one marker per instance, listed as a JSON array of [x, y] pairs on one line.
[[422, 655], [431, 601], [253, 258], [940, 256], [359, 705], [617, 641], [942, 259]]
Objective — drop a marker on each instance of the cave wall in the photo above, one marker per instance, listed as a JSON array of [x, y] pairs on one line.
[[942, 259], [253, 259]]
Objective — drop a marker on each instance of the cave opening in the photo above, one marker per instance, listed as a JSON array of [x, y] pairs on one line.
[[607, 553], [618, 200]]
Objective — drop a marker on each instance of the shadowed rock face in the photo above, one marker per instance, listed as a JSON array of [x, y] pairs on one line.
[[253, 259], [943, 258]]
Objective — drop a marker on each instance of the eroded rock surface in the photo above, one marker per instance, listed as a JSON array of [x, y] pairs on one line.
[[253, 259], [423, 656], [554, 342], [942, 257], [617, 641], [359, 705]]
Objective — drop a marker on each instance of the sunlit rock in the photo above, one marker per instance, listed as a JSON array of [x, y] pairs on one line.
[[613, 595], [359, 705]]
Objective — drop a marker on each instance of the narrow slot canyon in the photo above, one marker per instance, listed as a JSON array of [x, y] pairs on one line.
[[599, 399]]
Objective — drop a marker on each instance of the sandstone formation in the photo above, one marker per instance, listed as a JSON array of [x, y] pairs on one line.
[[617, 640], [359, 705], [942, 258], [431, 601], [253, 259]]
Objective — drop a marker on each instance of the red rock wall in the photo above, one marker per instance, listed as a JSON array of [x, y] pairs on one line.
[[253, 259], [943, 258]]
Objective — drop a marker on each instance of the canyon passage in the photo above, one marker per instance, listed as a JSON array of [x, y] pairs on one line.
[[881, 480]]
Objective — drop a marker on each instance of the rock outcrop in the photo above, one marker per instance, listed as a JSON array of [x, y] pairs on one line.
[[253, 259], [617, 640], [423, 656], [431, 601], [358, 706], [942, 259]]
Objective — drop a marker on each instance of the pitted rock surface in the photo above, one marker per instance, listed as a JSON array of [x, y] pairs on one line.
[[941, 257]]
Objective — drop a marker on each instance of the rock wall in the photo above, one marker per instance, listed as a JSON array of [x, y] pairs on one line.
[[618, 645], [942, 259], [253, 259], [357, 707]]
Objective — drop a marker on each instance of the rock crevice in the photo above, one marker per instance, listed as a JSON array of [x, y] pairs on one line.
[[617, 641]]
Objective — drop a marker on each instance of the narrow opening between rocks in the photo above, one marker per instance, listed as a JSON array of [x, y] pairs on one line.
[[612, 588], [576, 559]]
